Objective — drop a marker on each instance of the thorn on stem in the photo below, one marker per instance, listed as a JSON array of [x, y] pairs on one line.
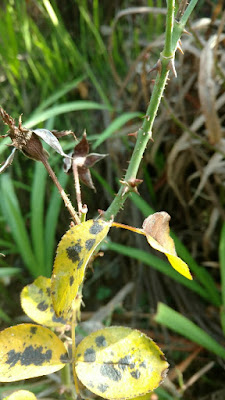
[[157, 67], [171, 67], [179, 46], [131, 185], [134, 134], [186, 32]]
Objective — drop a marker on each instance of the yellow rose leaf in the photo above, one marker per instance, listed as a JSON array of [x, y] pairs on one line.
[[147, 396], [73, 253], [36, 302], [157, 231], [28, 351], [120, 363], [21, 395]]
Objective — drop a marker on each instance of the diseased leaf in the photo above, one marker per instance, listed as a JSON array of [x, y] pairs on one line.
[[156, 228], [28, 351], [120, 363], [21, 395], [36, 302], [147, 396], [73, 253], [50, 139]]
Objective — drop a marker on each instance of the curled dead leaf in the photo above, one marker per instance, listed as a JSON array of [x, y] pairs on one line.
[[207, 91], [157, 231]]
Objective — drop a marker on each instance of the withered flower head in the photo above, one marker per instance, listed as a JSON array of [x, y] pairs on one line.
[[28, 141], [83, 161]]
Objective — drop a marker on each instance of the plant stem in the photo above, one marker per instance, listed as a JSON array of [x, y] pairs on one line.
[[64, 196], [179, 26], [169, 27], [164, 64], [65, 376], [77, 188]]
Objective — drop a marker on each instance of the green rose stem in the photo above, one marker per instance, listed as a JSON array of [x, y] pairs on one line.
[[174, 30]]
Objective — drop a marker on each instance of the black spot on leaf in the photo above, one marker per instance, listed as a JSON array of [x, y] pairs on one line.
[[89, 355], [125, 362], [48, 291], [30, 356], [110, 372], [95, 228], [143, 364], [89, 244], [80, 263], [73, 251], [136, 374], [13, 358], [57, 319], [101, 341], [42, 306], [102, 388], [33, 330], [71, 280], [64, 358]]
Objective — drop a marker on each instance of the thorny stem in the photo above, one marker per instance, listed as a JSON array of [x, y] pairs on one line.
[[169, 28], [77, 188], [64, 196], [173, 33]]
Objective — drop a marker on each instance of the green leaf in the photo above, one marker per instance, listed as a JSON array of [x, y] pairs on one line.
[[114, 126], [158, 264], [13, 216], [37, 214], [28, 351], [62, 109], [120, 363], [182, 325], [73, 253], [9, 271], [222, 273], [36, 302], [66, 87]]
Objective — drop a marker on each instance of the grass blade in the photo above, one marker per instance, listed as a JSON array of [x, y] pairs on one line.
[[13, 216], [62, 109], [37, 215], [59, 93], [222, 273], [115, 125], [182, 325], [158, 264]]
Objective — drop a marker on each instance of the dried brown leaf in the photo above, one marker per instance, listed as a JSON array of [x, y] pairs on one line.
[[207, 91]]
